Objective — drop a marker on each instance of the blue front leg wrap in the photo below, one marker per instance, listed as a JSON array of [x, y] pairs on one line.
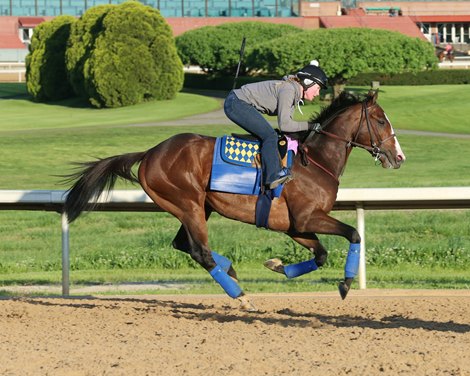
[[222, 261], [228, 284], [294, 270], [352, 260]]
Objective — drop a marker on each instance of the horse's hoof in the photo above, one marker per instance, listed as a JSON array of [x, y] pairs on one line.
[[343, 289], [246, 305], [275, 265]]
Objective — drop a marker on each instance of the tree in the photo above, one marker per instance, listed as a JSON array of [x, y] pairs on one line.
[[216, 49], [124, 54], [344, 53], [82, 39], [46, 75]]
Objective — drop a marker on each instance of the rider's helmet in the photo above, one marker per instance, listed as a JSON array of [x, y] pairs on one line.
[[312, 74]]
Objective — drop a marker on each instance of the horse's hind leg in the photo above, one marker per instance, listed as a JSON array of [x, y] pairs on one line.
[[181, 242], [194, 238]]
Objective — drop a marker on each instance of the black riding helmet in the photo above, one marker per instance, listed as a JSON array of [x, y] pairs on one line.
[[312, 74]]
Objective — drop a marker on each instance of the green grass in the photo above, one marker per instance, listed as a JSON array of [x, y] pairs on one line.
[[406, 249], [20, 113], [435, 108]]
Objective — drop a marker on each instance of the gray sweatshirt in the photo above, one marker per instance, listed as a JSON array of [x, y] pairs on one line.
[[275, 97]]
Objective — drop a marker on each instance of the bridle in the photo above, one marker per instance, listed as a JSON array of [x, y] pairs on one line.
[[375, 142]]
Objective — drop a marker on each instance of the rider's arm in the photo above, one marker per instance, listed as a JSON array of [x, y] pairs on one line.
[[287, 99]]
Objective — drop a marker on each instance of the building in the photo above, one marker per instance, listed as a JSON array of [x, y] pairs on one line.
[[439, 22]]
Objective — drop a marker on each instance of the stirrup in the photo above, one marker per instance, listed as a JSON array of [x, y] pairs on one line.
[[283, 177]]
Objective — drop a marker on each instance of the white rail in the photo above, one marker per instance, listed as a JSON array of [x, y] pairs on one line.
[[11, 69], [359, 200]]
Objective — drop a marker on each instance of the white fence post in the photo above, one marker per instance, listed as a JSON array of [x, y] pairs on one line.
[[361, 228], [65, 256]]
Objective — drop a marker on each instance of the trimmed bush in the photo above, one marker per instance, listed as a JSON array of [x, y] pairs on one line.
[[123, 55], [434, 77], [81, 45], [46, 76], [216, 49], [344, 53]]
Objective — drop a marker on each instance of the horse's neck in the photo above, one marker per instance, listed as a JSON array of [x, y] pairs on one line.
[[332, 153]]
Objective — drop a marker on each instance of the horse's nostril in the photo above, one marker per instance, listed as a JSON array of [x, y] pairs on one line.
[[399, 158]]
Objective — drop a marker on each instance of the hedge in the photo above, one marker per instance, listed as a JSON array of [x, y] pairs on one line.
[[216, 49], [46, 75], [123, 55], [435, 77]]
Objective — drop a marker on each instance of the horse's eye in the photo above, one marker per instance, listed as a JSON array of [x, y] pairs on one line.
[[381, 121]]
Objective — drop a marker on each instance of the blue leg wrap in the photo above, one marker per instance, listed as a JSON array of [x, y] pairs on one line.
[[228, 284], [352, 260], [222, 261], [294, 270]]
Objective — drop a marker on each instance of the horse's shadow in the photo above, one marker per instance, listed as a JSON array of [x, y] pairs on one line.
[[285, 317]]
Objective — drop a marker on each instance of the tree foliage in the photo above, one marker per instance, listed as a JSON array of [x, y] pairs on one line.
[[46, 75], [123, 55], [82, 41], [216, 49], [344, 53]]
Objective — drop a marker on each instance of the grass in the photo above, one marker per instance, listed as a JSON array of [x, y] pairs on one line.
[[434, 108], [418, 249], [20, 113]]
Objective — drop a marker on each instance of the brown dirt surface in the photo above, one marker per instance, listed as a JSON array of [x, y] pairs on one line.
[[372, 332]]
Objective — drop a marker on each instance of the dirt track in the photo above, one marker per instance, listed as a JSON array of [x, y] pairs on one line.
[[370, 333]]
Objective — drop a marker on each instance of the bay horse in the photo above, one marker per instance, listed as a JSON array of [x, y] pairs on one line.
[[446, 55], [175, 174]]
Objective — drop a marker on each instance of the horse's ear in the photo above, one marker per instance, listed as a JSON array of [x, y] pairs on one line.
[[372, 96]]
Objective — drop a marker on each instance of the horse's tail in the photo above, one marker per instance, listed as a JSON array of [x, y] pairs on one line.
[[95, 177]]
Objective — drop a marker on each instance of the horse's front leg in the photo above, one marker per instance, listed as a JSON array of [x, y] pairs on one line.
[[321, 223], [312, 243]]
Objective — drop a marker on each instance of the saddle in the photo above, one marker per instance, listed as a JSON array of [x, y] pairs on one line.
[[281, 145], [245, 148], [236, 163]]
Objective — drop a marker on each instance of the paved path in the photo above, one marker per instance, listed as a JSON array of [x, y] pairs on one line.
[[218, 117]]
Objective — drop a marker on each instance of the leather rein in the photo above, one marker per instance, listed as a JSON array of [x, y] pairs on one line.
[[374, 149]]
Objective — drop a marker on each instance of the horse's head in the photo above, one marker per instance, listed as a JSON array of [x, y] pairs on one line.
[[362, 123], [376, 133]]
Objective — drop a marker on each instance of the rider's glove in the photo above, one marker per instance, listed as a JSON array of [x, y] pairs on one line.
[[314, 127]]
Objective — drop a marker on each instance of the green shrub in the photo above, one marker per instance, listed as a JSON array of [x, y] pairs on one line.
[[46, 75], [82, 41], [216, 49], [123, 55], [434, 77], [344, 53]]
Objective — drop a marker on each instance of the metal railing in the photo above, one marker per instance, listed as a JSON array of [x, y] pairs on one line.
[[360, 200]]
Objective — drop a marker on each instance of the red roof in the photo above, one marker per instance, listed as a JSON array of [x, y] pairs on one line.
[[11, 41], [402, 24], [442, 18], [30, 22]]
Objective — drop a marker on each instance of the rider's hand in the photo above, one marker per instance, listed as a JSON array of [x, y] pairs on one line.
[[314, 127]]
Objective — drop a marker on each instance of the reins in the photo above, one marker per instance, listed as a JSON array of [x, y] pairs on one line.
[[374, 149]]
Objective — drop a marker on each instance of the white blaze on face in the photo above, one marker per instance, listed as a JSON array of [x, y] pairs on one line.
[[400, 154]]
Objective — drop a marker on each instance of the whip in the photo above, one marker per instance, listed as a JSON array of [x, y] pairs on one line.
[[242, 50]]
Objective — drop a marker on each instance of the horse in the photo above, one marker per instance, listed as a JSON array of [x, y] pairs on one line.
[[446, 55], [175, 175]]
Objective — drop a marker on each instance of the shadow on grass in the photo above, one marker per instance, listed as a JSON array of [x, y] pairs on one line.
[[15, 90]]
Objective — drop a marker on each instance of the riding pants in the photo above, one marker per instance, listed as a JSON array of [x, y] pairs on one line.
[[247, 117]]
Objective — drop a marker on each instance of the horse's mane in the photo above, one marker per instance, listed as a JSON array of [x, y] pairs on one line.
[[340, 103]]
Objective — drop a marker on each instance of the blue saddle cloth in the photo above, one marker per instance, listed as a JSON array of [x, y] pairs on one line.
[[234, 168]]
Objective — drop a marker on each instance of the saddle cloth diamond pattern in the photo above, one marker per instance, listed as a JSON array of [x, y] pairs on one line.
[[240, 151]]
